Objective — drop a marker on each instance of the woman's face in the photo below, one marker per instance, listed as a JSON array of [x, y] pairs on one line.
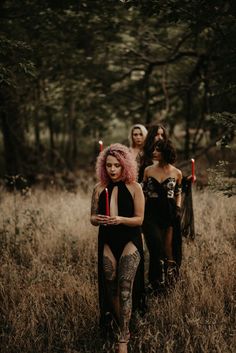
[[159, 135], [137, 137], [113, 168], [157, 155]]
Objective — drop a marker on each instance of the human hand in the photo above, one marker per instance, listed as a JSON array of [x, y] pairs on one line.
[[102, 219], [114, 220]]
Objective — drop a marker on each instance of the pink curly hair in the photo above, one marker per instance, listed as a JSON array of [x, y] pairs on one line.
[[125, 158]]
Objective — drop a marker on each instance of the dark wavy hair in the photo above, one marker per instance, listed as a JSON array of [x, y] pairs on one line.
[[150, 139], [146, 157], [167, 149]]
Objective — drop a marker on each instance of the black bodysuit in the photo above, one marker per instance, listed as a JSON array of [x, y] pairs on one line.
[[117, 236]]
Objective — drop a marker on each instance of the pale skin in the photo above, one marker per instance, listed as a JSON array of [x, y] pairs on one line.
[[161, 171], [119, 276], [138, 140], [159, 135]]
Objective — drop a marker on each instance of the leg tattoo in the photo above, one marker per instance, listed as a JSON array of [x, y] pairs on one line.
[[127, 270], [111, 280]]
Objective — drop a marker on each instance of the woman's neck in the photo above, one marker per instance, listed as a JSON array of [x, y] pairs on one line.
[[135, 151], [163, 164]]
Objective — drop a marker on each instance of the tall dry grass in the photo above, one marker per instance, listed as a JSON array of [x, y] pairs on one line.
[[48, 280]]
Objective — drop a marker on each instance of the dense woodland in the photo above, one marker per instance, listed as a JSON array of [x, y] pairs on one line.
[[72, 72]]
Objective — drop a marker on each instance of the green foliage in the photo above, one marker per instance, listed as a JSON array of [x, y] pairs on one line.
[[70, 69], [225, 119], [16, 64], [223, 177], [219, 180]]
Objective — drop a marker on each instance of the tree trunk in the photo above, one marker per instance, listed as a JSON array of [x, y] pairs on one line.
[[51, 135], [13, 141], [187, 125], [146, 106], [71, 148], [36, 122]]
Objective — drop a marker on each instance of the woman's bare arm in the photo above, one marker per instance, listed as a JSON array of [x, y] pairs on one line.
[[178, 181]]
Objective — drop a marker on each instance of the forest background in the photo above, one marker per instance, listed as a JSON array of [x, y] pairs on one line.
[[74, 72]]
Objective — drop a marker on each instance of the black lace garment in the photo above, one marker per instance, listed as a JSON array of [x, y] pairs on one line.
[[160, 205]]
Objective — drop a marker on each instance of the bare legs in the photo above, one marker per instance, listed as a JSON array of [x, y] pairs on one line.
[[120, 279], [171, 270], [110, 268], [128, 264]]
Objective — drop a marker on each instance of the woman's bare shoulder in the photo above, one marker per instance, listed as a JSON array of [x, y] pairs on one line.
[[177, 172], [149, 169], [134, 187]]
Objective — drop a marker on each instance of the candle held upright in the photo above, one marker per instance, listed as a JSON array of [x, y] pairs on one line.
[[100, 145], [193, 170], [107, 203]]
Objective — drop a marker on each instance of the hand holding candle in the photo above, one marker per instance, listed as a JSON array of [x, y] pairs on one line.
[[107, 203], [193, 170]]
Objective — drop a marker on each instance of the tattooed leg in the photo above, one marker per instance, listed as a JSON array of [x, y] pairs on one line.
[[109, 266], [128, 265]]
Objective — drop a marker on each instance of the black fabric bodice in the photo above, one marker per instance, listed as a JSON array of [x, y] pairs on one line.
[[125, 200], [160, 205], [117, 236]]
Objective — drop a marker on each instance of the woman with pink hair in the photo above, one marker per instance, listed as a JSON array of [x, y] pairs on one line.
[[117, 207]]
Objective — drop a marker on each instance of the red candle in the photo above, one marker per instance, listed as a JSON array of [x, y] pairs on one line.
[[107, 203], [101, 145], [193, 170]]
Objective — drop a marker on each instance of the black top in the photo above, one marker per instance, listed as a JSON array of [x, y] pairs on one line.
[[117, 236], [160, 205]]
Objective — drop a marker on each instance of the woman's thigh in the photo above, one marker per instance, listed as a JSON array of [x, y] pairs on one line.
[[109, 263], [128, 262]]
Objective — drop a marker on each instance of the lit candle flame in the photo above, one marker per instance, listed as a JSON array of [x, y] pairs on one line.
[[193, 170], [101, 145]]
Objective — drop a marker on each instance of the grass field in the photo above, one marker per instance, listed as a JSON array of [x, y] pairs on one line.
[[48, 280]]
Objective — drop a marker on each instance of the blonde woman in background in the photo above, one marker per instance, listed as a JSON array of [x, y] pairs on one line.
[[137, 136]]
